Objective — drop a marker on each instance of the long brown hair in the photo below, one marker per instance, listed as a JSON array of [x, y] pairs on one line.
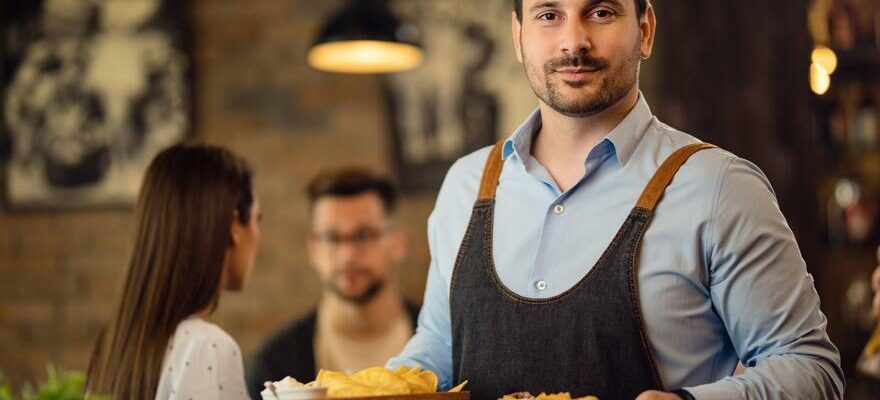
[[183, 218]]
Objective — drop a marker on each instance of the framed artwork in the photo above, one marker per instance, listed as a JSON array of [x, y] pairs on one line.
[[469, 91], [93, 89]]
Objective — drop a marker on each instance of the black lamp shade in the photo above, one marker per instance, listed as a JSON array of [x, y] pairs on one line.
[[365, 37]]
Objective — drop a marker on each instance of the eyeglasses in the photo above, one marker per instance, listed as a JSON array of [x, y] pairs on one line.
[[360, 238]]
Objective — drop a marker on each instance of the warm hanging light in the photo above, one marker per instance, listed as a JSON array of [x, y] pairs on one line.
[[365, 38], [820, 80], [825, 57]]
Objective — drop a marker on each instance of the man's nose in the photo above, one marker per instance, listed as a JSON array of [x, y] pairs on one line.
[[347, 249], [575, 38]]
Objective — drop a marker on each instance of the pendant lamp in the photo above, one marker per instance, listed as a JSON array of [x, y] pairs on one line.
[[364, 37]]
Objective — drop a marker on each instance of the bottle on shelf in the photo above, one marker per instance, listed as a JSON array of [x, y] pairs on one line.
[[869, 361]]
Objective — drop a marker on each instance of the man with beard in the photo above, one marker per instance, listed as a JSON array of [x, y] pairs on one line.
[[608, 254], [362, 319]]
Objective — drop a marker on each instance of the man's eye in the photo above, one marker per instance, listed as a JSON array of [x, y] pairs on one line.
[[365, 235], [547, 16], [330, 238], [603, 14]]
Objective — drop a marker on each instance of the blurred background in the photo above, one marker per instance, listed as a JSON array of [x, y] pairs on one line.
[[92, 89]]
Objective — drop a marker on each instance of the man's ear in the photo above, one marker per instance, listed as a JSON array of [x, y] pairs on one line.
[[516, 29], [647, 25]]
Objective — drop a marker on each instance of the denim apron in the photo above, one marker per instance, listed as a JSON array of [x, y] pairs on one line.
[[589, 340]]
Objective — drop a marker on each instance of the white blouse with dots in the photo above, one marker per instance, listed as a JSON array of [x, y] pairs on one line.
[[202, 362]]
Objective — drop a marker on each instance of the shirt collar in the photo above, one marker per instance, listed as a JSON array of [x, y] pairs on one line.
[[520, 142], [628, 133], [623, 138]]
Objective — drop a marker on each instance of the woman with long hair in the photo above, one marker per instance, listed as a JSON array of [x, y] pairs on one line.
[[196, 234]]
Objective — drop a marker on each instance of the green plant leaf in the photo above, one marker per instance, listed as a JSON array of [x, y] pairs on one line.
[[59, 385]]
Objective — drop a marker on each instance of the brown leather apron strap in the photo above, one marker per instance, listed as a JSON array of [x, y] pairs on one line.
[[648, 199], [491, 172], [661, 179]]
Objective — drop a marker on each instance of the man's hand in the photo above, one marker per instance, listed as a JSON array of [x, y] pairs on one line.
[[657, 395]]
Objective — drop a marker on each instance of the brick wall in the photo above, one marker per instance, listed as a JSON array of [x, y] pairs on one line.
[[57, 271]]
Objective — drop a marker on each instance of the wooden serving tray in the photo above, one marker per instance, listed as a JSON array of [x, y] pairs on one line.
[[430, 396]]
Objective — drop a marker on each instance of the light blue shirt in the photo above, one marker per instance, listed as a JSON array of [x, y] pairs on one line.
[[721, 277]]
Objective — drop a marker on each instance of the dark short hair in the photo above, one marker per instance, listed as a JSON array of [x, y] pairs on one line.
[[641, 6], [352, 181]]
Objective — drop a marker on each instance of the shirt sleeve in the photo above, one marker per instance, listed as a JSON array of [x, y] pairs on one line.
[[761, 290], [431, 346]]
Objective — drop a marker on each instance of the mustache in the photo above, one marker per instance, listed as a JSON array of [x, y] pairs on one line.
[[350, 269], [576, 61]]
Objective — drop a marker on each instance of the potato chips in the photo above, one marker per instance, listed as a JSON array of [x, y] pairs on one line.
[[378, 381], [545, 396]]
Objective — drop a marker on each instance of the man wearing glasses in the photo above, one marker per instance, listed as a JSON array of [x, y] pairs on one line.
[[362, 319]]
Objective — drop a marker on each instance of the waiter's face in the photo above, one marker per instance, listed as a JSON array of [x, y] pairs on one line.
[[582, 56], [354, 245]]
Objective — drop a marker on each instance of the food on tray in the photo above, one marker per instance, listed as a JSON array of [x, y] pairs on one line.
[[545, 396], [291, 389], [459, 387], [518, 396], [378, 381], [375, 381], [291, 383]]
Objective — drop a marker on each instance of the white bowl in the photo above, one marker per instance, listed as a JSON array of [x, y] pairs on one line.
[[301, 394], [267, 394]]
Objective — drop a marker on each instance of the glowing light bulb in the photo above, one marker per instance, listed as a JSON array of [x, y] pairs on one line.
[[364, 57], [825, 57], [820, 80]]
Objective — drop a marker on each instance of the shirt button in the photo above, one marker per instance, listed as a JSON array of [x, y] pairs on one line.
[[541, 285], [558, 209]]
